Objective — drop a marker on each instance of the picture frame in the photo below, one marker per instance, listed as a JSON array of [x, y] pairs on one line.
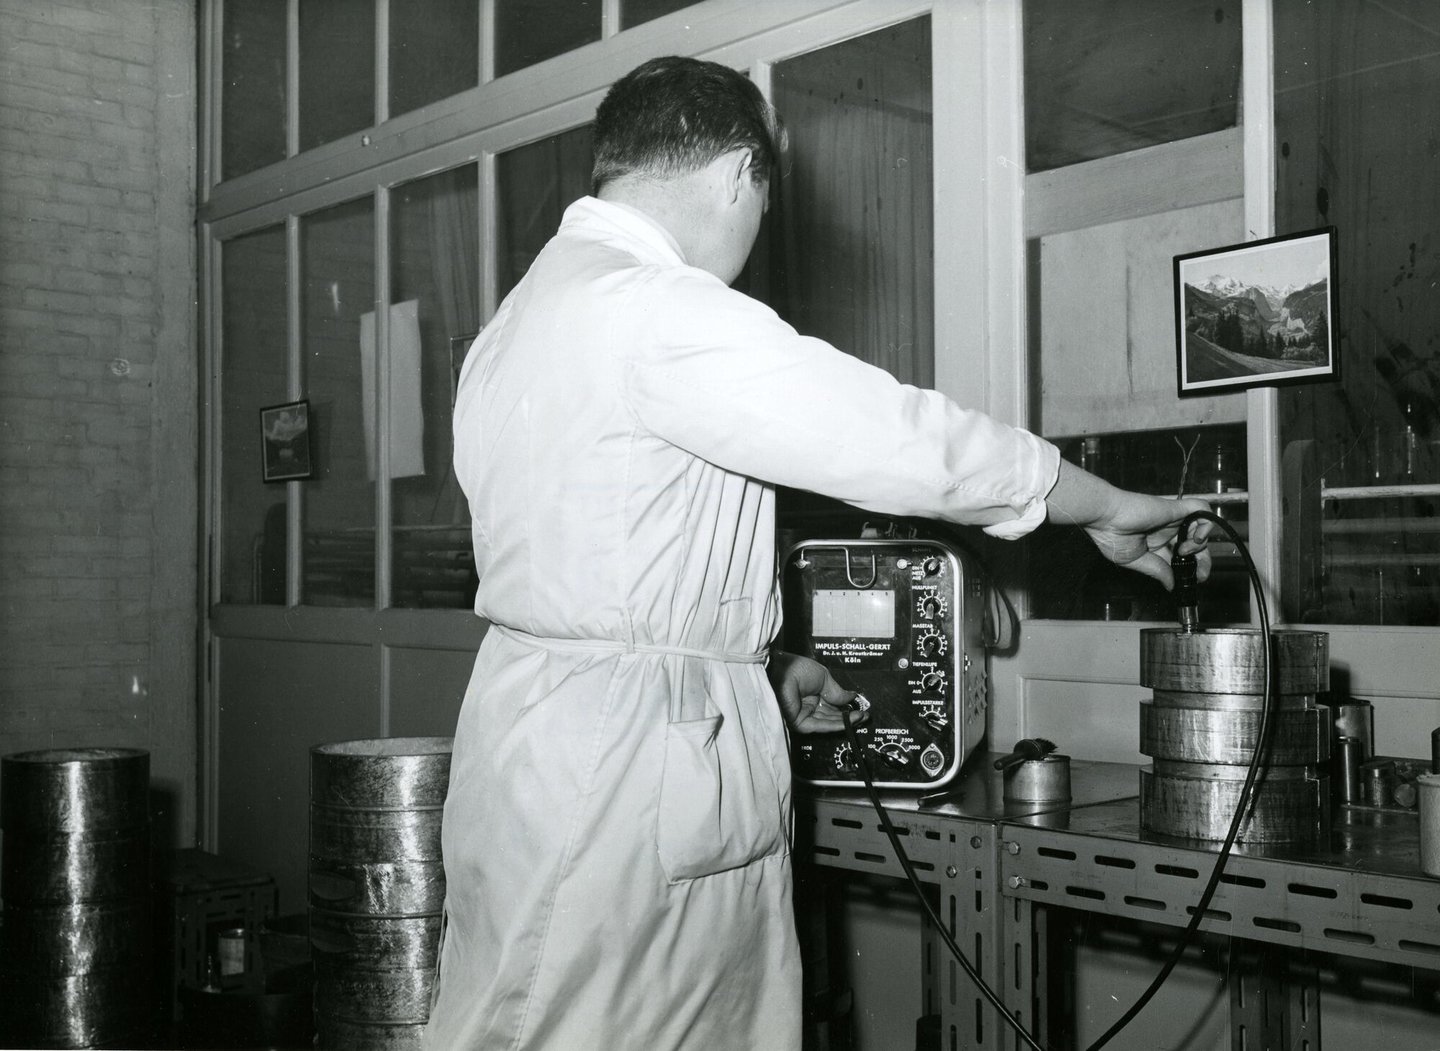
[[1257, 314], [285, 442]]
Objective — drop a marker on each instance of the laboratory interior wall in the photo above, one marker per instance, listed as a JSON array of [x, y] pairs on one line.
[[99, 387]]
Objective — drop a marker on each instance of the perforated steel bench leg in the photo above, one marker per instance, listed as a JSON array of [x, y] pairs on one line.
[[1274, 999]]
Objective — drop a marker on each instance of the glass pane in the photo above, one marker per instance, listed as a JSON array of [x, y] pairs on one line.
[[534, 186], [252, 376], [850, 239], [1108, 76], [337, 274], [435, 251], [530, 31], [1357, 96], [337, 69], [252, 99], [434, 51], [636, 12]]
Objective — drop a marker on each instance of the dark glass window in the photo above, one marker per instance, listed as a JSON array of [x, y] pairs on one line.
[[338, 338], [1109, 76], [337, 69], [434, 51], [252, 99], [851, 236], [252, 377], [1357, 99], [637, 12], [530, 31]]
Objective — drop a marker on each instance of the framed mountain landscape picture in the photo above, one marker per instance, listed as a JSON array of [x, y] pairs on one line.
[[1257, 314]]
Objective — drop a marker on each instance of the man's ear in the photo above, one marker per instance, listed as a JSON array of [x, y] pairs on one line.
[[736, 170]]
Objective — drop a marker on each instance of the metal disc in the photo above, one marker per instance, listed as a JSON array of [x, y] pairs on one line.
[[76, 939], [375, 835], [397, 773], [103, 1008], [404, 888], [40, 869], [1199, 735], [373, 944], [374, 996], [1231, 660], [1287, 811], [333, 1033], [75, 790]]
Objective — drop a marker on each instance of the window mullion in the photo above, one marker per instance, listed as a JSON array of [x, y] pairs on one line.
[[382, 61], [294, 389], [1262, 403], [384, 538]]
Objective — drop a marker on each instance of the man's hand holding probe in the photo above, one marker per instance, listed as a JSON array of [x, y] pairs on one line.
[[1132, 530]]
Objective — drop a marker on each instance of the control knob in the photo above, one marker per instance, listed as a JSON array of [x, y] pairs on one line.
[[892, 753], [932, 607], [931, 644]]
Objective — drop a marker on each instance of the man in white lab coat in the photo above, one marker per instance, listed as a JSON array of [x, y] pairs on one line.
[[617, 832]]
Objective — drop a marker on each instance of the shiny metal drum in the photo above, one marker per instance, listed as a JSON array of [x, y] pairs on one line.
[[377, 888], [1202, 724], [75, 947]]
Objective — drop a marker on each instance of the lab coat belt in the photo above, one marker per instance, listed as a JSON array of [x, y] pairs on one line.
[[614, 646]]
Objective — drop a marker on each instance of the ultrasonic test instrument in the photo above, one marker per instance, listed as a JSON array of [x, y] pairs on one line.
[[900, 622]]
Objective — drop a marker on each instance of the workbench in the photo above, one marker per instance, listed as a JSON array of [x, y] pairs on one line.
[[1000, 869]]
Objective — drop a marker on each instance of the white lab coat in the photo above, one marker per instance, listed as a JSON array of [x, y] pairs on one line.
[[618, 826]]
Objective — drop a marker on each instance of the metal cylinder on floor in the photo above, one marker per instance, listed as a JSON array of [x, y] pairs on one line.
[[377, 888], [1202, 725], [75, 952]]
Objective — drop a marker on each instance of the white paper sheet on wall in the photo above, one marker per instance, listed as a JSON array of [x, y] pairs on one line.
[[407, 421]]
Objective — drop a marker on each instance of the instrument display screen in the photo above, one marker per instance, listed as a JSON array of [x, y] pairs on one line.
[[853, 614]]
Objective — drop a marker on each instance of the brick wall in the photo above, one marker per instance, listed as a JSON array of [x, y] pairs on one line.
[[98, 384]]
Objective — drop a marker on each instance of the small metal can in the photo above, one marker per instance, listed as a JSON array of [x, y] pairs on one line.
[[1377, 777], [1356, 718], [231, 950], [1043, 780], [1347, 769]]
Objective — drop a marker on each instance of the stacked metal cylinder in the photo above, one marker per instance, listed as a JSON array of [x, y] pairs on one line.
[[1202, 725], [377, 888], [76, 947]]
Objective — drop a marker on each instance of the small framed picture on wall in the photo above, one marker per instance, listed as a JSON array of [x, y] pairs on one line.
[[1257, 314], [285, 441]]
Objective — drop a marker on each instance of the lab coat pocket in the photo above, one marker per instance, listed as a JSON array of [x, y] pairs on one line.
[[719, 806]]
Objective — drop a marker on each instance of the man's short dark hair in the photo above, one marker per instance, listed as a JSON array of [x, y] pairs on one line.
[[672, 115]]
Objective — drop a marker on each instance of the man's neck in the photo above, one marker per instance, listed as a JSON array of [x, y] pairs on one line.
[[676, 205]]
